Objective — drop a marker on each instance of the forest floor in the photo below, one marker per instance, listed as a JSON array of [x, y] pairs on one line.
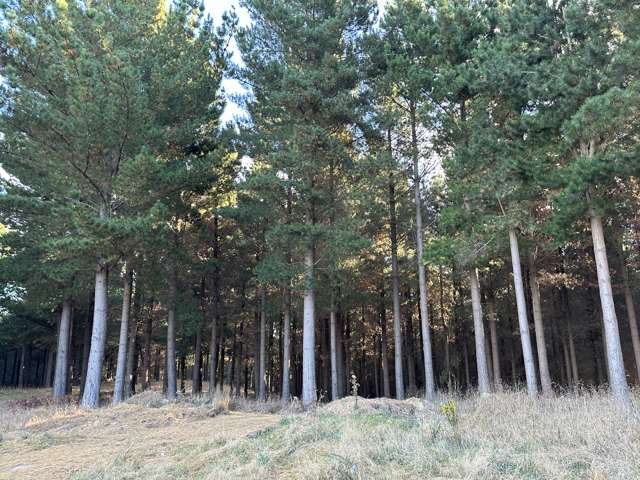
[[503, 436]]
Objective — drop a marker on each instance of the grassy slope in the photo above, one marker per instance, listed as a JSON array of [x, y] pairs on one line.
[[503, 436]]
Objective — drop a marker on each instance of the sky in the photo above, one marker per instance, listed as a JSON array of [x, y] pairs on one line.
[[231, 86]]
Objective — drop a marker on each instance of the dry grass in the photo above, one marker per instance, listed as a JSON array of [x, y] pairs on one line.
[[143, 438], [505, 436]]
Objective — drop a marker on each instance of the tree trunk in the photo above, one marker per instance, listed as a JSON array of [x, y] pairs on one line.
[[340, 353], [234, 361], [347, 353], [395, 292], [156, 366], [131, 365], [286, 346], [309, 331], [286, 328], [91, 394], [196, 377], [70, 356], [493, 331], [146, 356], [543, 363], [384, 359], [487, 350], [481, 357], [171, 336], [241, 359], [430, 389], [572, 354], [214, 317], [183, 370], [221, 353], [262, 393], [48, 372], [256, 352], [86, 347], [615, 361], [523, 322], [333, 347], [62, 355], [567, 360], [631, 313], [118, 389], [22, 367], [409, 349]]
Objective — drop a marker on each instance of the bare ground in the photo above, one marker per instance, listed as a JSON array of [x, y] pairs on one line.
[[48, 442]]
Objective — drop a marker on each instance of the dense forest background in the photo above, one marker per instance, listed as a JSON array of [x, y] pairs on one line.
[[441, 198]]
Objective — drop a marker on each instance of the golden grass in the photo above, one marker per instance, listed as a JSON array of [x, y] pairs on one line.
[[583, 435], [504, 436]]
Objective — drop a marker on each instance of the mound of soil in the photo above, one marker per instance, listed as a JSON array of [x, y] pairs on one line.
[[404, 408]]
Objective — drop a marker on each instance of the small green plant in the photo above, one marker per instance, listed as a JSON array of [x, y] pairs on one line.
[[354, 388], [450, 411]]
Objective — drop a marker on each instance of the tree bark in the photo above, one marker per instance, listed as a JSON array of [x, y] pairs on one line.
[[146, 357], [171, 336], [183, 369], [221, 352], [62, 357], [409, 349], [86, 347], [395, 292], [543, 362], [384, 359], [213, 353], [567, 359], [118, 390], [493, 331], [615, 362], [130, 371], [308, 330], [196, 377], [523, 322], [48, 372], [241, 359], [91, 394], [631, 312], [262, 393], [333, 347], [340, 353], [286, 346], [481, 357], [22, 367], [430, 389], [572, 354]]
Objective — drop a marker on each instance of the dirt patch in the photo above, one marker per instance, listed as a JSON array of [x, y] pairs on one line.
[[348, 405], [77, 440]]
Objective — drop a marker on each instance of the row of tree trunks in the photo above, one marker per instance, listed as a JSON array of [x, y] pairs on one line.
[[17, 367], [488, 350]]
